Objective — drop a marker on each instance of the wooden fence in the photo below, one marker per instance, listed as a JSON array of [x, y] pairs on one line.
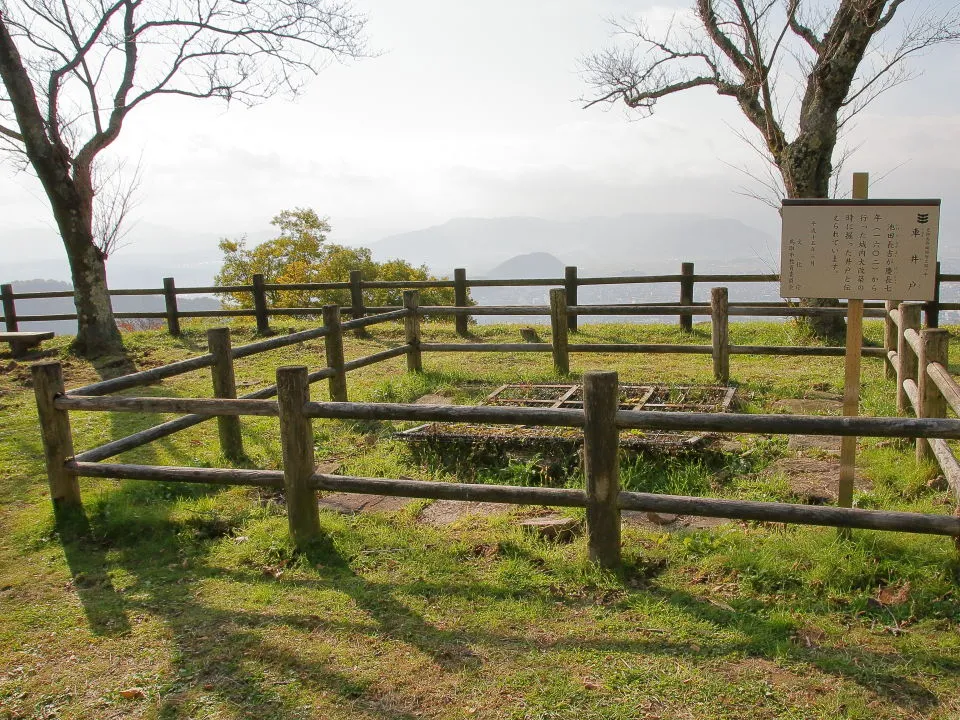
[[600, 420], [571, 282], [924, 383]]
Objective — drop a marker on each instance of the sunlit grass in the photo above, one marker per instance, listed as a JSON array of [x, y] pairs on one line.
[[176, 601]]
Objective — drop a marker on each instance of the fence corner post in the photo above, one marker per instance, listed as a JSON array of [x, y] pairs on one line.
[[889, 338], [686, 295], [460, 300], [333, 344], [296, 437], [225, 386], [9, 308], [570, 285], [906, 357], [260, 304], [170, 301], [558, 326], [356, 301], [56, 435], [934, 348], [601, 466], [720, 333], [411, 327]]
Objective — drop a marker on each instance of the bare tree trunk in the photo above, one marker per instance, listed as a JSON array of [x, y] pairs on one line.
[[68, 184], [97, 332], [71, 198]]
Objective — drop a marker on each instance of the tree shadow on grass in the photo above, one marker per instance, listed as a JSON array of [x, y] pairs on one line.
[[229, 656], [226, 653], [876, 672], [108, 367], [89, 570]]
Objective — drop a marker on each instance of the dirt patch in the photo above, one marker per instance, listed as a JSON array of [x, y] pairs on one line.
[[807, 406], [433, 399], [826, 444], [447, 512], [815, 481], [669, 521], [353, 503]]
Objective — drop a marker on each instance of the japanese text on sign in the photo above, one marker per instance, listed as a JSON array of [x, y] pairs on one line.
[[868, 249]]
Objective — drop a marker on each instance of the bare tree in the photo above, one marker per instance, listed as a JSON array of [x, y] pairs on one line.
[[115, 195], [72, 70], [798, 70]]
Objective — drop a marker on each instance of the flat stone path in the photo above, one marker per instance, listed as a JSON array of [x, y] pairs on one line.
[[353, 503], [441, 513]]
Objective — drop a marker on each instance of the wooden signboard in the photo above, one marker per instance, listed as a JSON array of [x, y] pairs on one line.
[[859, 250], [863, 249]]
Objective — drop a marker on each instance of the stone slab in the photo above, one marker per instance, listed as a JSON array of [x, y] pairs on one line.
[[446, 512], [353, 503], [553, 527]]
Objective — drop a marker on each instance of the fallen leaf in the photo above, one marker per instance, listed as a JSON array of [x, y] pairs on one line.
[[133, 694], [894, 595]]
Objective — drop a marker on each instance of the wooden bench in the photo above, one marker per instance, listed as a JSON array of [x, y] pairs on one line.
[[20, 342]]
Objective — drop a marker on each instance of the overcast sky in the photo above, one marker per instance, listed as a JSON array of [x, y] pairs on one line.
[[471, 110]]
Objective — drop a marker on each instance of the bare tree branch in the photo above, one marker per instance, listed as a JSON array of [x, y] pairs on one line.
[[11, 133], [115, 198], [72, 70], [798, 74]]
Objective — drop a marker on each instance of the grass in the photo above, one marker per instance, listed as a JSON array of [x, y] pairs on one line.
[[175, 601]]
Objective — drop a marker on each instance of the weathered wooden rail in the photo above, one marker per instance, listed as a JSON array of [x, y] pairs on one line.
[[221, 356], [925, 386], [600, 420], [261, 310], [908, 349]]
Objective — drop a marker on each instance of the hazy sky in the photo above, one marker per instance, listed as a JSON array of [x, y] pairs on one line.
[[471, 110]]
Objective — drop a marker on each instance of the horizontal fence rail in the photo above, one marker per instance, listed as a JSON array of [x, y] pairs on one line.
[[915, 356], [573, 418], [556, 497], [600, 420], [261, 309]]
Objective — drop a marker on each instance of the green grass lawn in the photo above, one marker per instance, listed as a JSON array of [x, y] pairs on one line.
[[176, 601]]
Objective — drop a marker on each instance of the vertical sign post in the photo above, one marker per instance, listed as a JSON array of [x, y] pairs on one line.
[[851, 372], [858, 249]]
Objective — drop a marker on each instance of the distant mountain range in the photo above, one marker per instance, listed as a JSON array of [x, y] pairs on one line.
[[508, 247], [642, 243]]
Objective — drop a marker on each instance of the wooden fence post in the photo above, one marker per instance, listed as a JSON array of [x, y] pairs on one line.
[[260, 304], [686, 294], [296, 437], [570, 285], [356, 300], [906, 358], [720, 333], [333, 342], [9, 308], [55, 434], [225, 386], [934, 348], [411, 326], [889, 337], [601, 466], [170, 300], [558, 326], [460, 300], [931, 310]]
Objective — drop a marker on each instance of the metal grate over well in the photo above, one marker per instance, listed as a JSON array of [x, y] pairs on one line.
[[665, 398]]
